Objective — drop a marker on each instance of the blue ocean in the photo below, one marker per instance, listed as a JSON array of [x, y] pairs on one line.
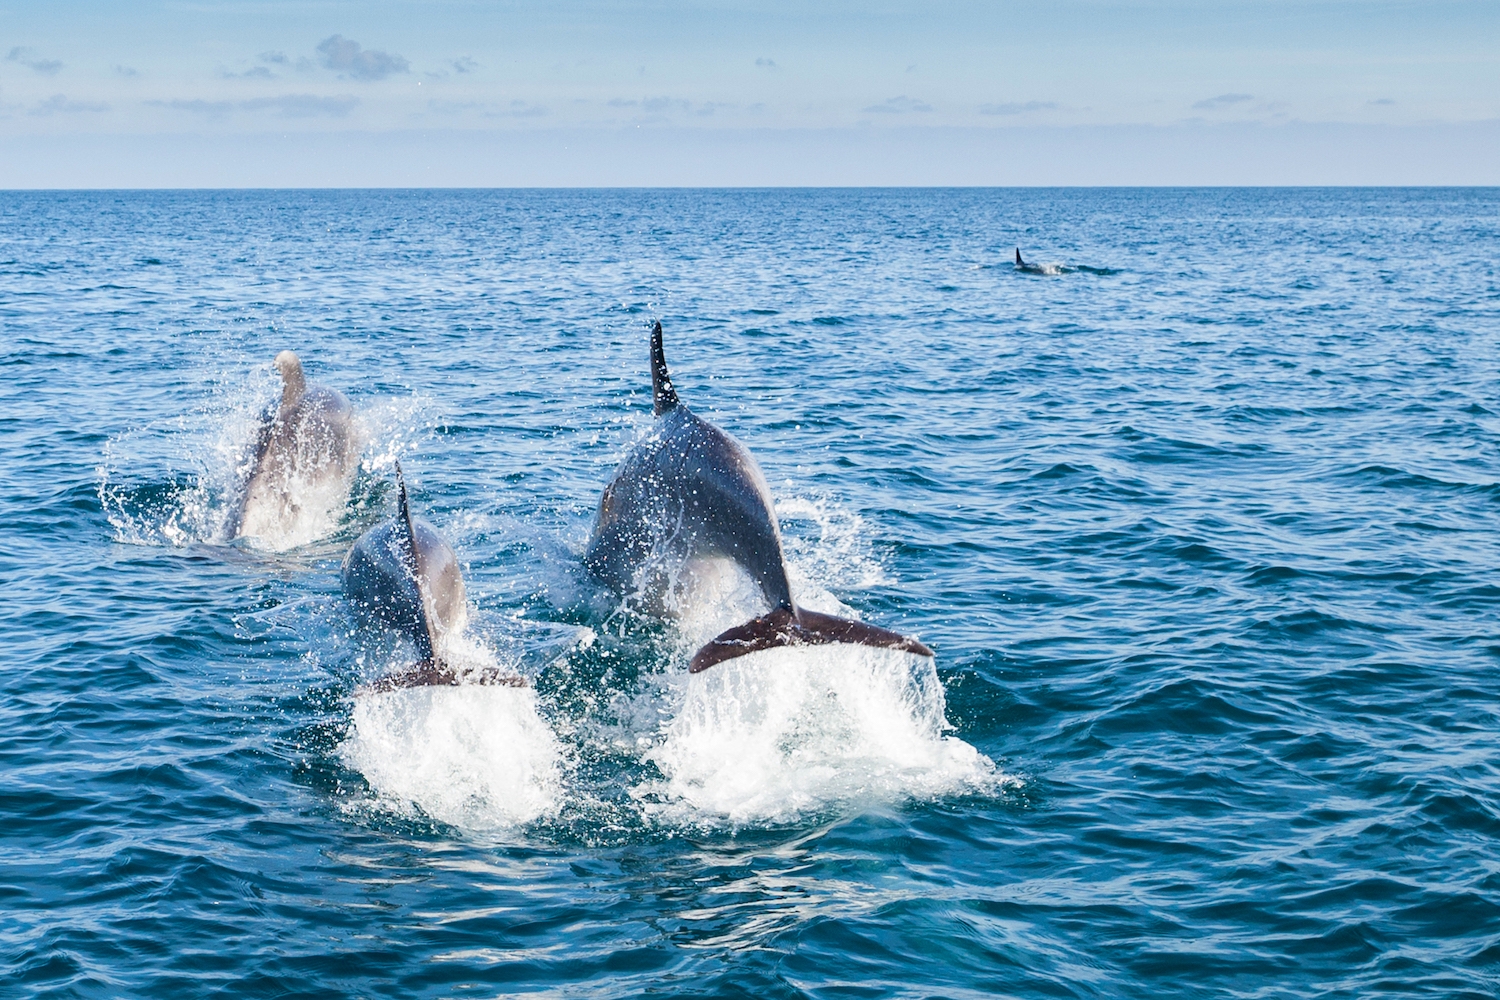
[[1200, 516]]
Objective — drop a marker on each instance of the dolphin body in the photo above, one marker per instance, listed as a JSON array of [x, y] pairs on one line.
[[401, 575], [691, 492], [304, 459], [1026, 268]]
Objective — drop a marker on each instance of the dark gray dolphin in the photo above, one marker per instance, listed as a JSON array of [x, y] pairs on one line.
[[690, 491], [1026, 268], [306, 449], [403, 576]]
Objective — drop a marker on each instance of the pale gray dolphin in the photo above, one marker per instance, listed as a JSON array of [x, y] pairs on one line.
[[403, 576], [690, 491], [306, 450]]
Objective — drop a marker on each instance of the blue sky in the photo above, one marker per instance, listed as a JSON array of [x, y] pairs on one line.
[[216, 84]]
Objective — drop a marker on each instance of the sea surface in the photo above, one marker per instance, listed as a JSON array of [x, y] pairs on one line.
[[1202, 522]]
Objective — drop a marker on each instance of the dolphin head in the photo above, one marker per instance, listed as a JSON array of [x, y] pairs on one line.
[[293, 385]]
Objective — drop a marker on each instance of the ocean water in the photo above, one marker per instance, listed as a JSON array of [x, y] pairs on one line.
[[1203, 524]]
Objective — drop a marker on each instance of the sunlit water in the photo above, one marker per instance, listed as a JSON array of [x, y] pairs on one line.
[[1201, 522]]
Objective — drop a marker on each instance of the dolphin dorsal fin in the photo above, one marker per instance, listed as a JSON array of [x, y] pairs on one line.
[[663, 396], [427, 638], [1019, 261], [293, 382]]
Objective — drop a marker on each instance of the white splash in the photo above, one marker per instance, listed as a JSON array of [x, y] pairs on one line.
[[775, 735], [475, 756]]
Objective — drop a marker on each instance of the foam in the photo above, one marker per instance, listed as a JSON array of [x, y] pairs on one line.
[[475, 756], [784, 733]]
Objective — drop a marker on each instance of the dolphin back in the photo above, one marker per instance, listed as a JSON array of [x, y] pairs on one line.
[[403, 576], [687, 491], [302, 461]]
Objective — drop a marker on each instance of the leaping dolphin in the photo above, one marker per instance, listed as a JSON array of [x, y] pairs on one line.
[[402, 575], [305, 454], [689, 491]]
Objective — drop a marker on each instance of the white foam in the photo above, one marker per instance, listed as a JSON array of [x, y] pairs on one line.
[[475, 756], [779, 734]]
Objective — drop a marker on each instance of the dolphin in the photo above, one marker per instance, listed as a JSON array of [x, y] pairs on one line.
[[401, 575], [1026, 268], [690, 492], [306, 449]]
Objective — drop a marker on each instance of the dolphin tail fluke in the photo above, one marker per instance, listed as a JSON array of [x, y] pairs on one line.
[[663, 396], [798, 627]]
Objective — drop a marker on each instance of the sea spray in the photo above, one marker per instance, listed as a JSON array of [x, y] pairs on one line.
[[475, 756], [783, 733]]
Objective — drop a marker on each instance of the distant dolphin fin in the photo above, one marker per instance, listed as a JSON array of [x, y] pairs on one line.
[[663, 396], [798, 627], [1019, 261], [427, 637]]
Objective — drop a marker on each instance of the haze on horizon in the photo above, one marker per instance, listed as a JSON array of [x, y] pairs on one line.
[[291, 93]]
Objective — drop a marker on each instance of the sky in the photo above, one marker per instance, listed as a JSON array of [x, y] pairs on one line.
[[465, 92]]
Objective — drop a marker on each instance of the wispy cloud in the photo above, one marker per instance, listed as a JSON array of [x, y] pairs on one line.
[[765, 63], [28, 57], [1016, 107], [253, 73], [653, 105], [345, 56], [463, 64], [129, 72], [59, 104], [520, 109], [515, 109], [1223, 101], [1383, 102], [285, 106], [899, 106]]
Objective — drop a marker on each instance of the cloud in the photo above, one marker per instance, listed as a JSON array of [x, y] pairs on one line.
[[1383, 102], [463, 64], [213, 109], [766, 63], [128, 72], [898, 106], [274, 58], [653, 105], [345, 56], [1016, 107], [286, 106], [27, 57], [520, 109], [253, 73], [303, 105], [58, 104], [1223, 101], [516, 109]]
